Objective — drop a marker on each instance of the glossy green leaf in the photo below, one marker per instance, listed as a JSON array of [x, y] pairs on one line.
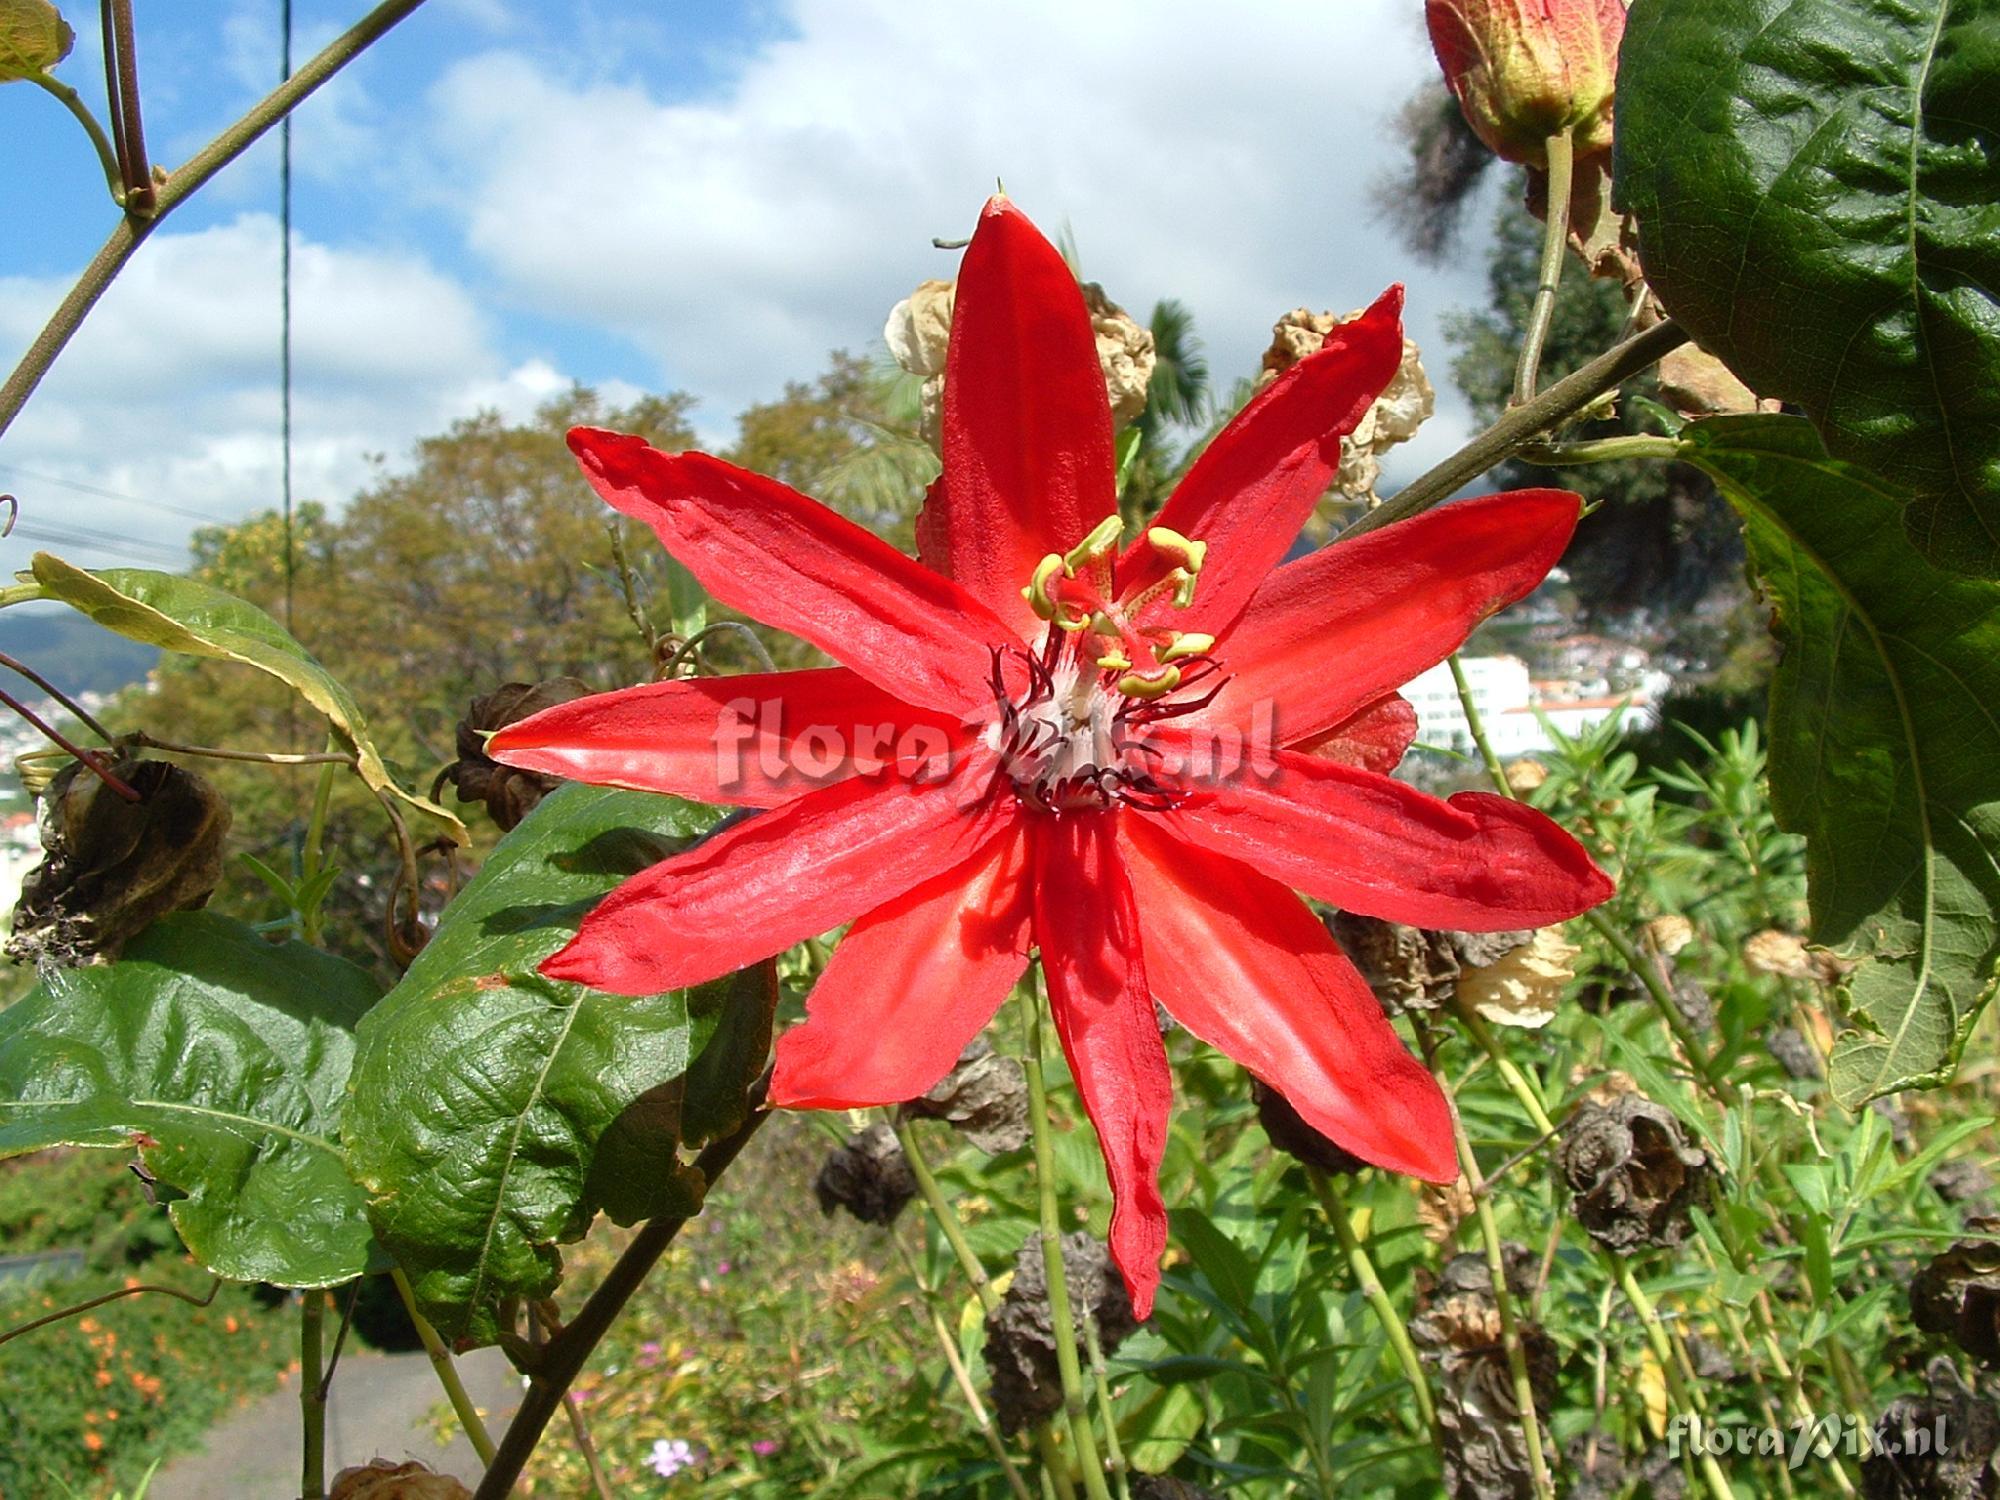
[[185, 616], [1885, 745], [1817, 185], [33, 38], [221, 1058], [493, 1112]]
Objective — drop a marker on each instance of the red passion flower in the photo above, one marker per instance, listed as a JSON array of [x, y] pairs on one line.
[[1125, 754]]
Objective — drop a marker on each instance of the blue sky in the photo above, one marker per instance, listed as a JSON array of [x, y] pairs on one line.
[[505, 196]]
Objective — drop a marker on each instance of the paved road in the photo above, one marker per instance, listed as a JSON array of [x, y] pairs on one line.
[[380, 1406]]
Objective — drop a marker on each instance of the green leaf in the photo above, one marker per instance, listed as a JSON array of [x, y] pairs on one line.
[[1216, 1256], [1817, 185], [222, 1058], [494, 1112], [33, 38], [1885, 745], [1156, 1423], [182, 615]]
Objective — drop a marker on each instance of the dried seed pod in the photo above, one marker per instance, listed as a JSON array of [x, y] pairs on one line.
[[1020, 1332], [1669, 934], [1292, 1135], [1404, 405], [1634, 1173], [1525, 985], [384, 1479], [112, 867], [1410, 968], [985, 1098], [1941, 1446], [509, 794], [869, 1177], [1958, 1294], [1458, 1328]]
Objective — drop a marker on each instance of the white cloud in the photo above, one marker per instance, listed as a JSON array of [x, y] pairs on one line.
[[1222, 154], [169, 394]]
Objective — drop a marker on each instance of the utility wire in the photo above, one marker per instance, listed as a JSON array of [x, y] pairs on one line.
[[104, 494], [285, 301]]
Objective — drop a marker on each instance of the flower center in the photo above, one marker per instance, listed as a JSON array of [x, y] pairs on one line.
[[1075, 739]]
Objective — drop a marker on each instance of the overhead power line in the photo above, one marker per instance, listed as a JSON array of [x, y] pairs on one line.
[[91, 489]]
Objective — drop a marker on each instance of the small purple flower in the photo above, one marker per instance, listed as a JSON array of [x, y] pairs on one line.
[[649, 1354], [722, 1268], [670, 1456], [764, 1447]]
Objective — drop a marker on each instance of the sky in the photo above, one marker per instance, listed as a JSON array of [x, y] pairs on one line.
[[503, 197]]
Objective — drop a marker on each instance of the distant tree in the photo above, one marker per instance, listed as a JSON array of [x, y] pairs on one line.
[[1177, 409]]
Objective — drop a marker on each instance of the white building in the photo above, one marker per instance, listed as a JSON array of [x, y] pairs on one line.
[[1516, 710]]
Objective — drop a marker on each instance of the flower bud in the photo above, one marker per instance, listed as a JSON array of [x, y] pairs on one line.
[[1524, 70]]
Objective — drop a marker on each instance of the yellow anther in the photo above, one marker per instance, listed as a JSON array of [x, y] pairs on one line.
[[1189, 554], [1183, 582], [1150, 684], [1037, 593], [1186, 643], [1101, 543], [1114, 661]]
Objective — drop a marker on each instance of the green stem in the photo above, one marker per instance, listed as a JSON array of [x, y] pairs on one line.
[[1371, 1287], [1476, 727], [1518, 1083], [132, 230], [1559, 402], [1683, 1395], [312, 852], [1054, 1470], [1101, 1378], [1061, 1319], [312, 1399], [1602, 450], [72, 101], [447, 1371], [1555, 240], [945, 1215], [1510, 1328], [1648, 975], [961, 1376]]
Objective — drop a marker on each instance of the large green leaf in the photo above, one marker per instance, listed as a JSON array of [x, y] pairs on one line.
[[1885, 744], [183, 615], [222, 1058], [1817, 185], [493, 1112]]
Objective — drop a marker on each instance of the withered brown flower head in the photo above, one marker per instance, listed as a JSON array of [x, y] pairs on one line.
[[1907, 1461], [1958, 1294], [1415, 968], [1291, 1135], [869, 1177], [984, 1098], [384, 1479], [112, 867], [510, 795], [1634, 1172], [1457, 1328], [1020, 1332]]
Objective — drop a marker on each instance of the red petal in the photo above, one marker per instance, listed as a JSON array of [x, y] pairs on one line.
[[775, 879], [792, 563], [1371, 844], [909, 986], [1087, 925], [1028, 465], [1240, 962], [1376, 739], [1330, 633], [727, 739], [1254, 486]]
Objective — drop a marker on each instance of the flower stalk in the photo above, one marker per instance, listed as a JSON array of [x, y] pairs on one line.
[[1365, 1276], [447, 1371], [1555, 241], [72, 101], [312, 1395], [1061, 1316], [132, 229], [1561, 401]]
